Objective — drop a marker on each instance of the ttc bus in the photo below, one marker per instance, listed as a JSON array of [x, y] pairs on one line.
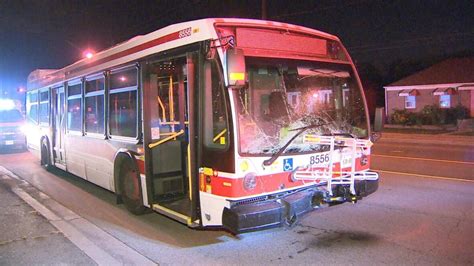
[[232, 123]]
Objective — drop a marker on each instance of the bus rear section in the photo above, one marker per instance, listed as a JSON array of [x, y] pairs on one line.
[[300, 132]]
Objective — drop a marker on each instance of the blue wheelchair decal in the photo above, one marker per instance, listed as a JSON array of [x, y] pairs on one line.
[[288, 164]]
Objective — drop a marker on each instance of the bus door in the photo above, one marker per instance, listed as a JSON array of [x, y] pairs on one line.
[[169, 133], [58, 126]]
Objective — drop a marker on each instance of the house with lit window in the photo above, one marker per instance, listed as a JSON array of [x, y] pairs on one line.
[[448, 84]]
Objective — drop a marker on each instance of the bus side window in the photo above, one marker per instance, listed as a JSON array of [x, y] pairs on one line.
[[216, 130], [74, 106], [94, 105], [32, 106], [44, 107], [123, 103]]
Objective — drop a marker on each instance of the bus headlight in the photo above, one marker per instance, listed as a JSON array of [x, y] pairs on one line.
[[250, 181]]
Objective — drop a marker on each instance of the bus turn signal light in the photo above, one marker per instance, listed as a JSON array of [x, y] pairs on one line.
[[237, 76]]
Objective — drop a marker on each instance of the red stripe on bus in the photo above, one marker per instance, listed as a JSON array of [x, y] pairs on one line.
[[164, 39], [234, 188], [141, 166]]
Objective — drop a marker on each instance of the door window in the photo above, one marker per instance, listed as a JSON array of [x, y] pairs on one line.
[[168, 85]]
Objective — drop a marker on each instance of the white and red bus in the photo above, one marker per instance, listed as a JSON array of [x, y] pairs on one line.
[[233, 123]]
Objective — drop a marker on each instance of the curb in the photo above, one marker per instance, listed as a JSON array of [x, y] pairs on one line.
[[428, 139], [76, 228]]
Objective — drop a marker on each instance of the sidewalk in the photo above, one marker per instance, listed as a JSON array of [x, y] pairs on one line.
[[36, 229], [446, 139], [28, 238]]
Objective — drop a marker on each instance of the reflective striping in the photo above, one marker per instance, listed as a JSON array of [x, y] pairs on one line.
[[427, 176], [168, 212], [422, 159]]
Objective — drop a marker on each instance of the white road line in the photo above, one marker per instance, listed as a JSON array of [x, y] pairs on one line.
[[422, 159], [426, 176]]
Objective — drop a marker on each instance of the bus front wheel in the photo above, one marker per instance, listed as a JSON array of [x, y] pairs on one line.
[[130, 189]]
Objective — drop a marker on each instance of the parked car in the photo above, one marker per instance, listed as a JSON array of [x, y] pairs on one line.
[[12, 125]]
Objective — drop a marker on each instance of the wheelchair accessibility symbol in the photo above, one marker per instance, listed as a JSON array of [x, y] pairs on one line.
[[288, 164]]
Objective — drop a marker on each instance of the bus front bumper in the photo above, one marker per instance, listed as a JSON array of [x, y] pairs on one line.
[[285, 210]]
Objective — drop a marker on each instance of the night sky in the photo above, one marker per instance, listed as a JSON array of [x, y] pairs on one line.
[[53, 33]]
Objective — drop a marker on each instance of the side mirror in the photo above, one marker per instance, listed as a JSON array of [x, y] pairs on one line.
[[375, 136], [235, 62]]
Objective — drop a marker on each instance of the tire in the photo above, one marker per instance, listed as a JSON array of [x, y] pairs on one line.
[[130, 189], [45, 157]]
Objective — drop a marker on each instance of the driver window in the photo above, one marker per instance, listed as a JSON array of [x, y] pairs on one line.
[[216, 131]]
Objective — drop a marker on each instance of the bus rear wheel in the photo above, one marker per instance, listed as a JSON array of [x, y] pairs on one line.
[[130, 189], [45, 158]]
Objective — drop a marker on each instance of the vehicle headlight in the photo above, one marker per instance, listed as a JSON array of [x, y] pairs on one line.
[[250, 181]]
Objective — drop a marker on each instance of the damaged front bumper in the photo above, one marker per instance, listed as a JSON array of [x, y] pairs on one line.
[[245, 217]]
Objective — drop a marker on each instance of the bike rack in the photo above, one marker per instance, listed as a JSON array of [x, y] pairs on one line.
[[326, 173]]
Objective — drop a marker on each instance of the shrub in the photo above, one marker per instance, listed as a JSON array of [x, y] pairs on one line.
[[460, 112], [400, 117], [429, 115]]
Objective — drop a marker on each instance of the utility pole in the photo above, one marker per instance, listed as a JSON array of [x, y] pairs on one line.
[[264, 9]]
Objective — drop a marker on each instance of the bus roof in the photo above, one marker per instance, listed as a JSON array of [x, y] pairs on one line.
[[169, 37]]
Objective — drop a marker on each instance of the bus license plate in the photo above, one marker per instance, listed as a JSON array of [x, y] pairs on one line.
[[9, 142]]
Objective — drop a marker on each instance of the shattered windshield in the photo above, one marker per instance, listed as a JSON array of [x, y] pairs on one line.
[[283, 96]]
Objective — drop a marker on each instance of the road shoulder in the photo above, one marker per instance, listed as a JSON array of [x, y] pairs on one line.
[[91, 241], [27, 237]]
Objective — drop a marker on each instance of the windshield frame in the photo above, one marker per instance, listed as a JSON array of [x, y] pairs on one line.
[[355, 81]]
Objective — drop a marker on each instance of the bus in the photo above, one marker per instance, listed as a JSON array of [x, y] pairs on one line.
[[231, 123]]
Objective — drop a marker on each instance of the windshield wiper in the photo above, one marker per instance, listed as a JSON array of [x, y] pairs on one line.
[[344, 134], [277, 154]]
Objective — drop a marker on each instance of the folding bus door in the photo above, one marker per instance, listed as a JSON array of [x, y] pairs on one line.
[[169, 138]]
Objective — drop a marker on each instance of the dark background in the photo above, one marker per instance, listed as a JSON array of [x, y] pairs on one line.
[[387, 39]]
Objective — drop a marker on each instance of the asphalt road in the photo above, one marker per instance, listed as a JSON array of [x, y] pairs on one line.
[[453, 161], [412, 219]]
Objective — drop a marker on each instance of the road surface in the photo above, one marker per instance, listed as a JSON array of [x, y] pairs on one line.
[[417, 218]]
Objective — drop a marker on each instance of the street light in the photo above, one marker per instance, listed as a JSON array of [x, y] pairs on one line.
[[88, 54]]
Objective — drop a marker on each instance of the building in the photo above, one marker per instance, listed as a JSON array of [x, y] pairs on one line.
[[447, 84]]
